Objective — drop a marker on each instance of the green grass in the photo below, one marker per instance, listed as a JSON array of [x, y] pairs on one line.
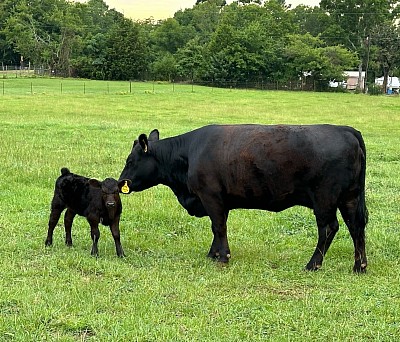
[[166, 289]]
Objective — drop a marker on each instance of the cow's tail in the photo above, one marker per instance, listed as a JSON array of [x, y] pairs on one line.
[[362, 211]]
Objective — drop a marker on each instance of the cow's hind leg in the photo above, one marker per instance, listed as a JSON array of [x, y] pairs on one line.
[[356, 222], [327, 229]]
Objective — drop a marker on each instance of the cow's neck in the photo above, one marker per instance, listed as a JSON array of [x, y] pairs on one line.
[[172, 157]]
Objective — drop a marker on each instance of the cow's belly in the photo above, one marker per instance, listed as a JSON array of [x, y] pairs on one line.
[[268, 201]]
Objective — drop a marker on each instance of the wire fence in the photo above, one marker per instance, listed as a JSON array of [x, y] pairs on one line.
[[32, 85]]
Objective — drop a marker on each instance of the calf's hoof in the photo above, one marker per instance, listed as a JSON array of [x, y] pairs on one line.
[[48, 242]]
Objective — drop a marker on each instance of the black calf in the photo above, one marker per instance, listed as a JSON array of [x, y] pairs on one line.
[[98, 201]]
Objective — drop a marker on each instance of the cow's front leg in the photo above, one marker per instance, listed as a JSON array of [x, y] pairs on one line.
[[219, 248], [214, 249]]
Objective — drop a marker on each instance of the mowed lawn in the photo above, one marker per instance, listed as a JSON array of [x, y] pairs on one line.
[[166, 289]]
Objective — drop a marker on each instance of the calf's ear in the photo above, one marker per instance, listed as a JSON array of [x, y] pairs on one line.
[[94, 183], [143, 142]]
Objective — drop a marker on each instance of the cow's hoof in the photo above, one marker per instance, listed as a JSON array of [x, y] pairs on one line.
[[312, 267], [213, 255], [360, 267], [223, 260], [48, 242], [68, 243]]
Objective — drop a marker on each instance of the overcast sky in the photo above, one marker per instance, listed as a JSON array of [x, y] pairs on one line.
[[162, 9]]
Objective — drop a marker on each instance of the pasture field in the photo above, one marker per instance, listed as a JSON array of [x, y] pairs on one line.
[[166, 289]]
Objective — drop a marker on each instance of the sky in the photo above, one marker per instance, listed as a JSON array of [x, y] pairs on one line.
[[162, 9]]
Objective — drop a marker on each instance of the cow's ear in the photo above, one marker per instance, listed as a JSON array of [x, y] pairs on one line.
[[124, 185], [94, 183], [154, 135], [143, 142]]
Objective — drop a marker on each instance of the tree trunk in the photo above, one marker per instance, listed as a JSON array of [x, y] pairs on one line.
[[360, 80], [385, 79]]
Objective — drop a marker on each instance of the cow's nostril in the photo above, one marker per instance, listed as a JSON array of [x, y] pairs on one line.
[[110, 204]]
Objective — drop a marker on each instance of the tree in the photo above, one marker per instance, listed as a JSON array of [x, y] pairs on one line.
[[247, 42], [307, 57], [190, 60], [43, 32], [125, 56], [169, 35], [203, 18], [311, 20], [7, 54], [164, 68], [386, 37], [97, 20], [357, 18]]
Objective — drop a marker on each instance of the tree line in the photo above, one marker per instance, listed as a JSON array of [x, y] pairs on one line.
[[244, 41]]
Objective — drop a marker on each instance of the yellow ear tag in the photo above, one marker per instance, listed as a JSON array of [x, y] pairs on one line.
[[125, 188]]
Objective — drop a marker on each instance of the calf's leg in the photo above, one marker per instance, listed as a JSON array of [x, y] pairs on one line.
[[95, 235], [57, 207], [114, 227], [68, 220]]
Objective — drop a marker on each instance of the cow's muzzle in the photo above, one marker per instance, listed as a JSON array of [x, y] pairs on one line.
[[110, 204]]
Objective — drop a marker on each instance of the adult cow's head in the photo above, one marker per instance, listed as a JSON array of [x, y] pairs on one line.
[[141, 164]]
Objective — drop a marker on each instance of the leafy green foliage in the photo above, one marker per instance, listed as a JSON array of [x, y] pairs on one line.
[[243, 41]]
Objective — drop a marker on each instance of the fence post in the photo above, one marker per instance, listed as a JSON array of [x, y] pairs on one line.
[[84, 88], [130, 87], [61, 89]]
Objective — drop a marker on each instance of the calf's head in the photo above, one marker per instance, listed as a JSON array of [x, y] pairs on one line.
[[141, 164], [110, 190]]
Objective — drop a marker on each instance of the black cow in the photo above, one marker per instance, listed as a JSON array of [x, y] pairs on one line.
[[98, 201], [215, 168]]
